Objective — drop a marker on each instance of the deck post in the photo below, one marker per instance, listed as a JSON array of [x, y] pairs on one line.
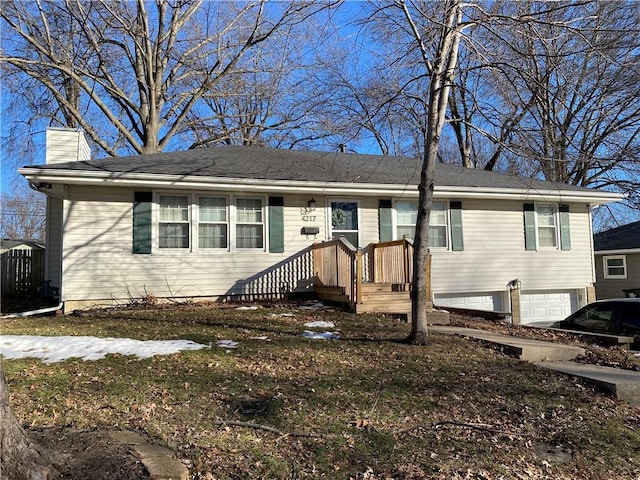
[[405, 257], [359, 276], [374, 264]]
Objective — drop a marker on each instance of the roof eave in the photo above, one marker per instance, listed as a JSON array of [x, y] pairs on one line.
[[145, 180], [618, 251]]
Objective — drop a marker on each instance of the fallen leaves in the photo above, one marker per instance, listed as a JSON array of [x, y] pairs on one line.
[[363, 405]]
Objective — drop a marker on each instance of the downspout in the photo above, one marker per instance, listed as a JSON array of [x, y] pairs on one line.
[[593, 260], [44, 310], [40, 188], [40, 311]]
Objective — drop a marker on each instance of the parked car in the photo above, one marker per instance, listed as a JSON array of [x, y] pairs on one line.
[[620, 316]]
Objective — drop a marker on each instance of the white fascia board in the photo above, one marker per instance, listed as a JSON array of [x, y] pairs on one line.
[[629, 251], [592, 197], [143, 180]]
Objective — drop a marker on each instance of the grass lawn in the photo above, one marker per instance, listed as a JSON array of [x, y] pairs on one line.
[[363, 407]]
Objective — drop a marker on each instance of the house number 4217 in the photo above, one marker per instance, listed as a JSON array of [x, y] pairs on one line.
[[308, 218]]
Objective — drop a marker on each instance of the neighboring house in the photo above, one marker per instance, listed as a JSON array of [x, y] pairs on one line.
[[7, 244], [238, 222], [617, 259], [22, 267]]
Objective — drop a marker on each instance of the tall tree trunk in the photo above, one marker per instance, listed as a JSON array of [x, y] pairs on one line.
[[21, 458], [441, 72]]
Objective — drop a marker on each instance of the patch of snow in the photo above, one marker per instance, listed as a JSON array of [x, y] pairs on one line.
[[320, 324], [247, 308], [282, 315], [313, 306], [227, 344], [263, 337], [321, 336], [57, 349]]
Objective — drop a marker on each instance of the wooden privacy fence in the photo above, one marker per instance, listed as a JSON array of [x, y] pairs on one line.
[[22, 272]]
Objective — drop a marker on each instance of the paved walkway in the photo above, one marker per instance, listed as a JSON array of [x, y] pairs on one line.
[[159, 461], [623, 384]]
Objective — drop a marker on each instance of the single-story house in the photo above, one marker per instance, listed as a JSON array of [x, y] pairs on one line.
[[236, 222], [617, 254]]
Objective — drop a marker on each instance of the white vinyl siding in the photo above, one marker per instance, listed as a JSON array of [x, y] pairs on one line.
[[99, 267], [494, 255], [66, 145]]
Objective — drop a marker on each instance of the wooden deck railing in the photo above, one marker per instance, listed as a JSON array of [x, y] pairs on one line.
[[334, 265], [391, 262], [337, 263]]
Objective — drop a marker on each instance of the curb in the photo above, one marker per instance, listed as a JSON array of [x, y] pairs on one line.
[[159, 461]]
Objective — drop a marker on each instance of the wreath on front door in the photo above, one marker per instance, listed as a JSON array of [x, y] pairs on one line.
[[338, 217]]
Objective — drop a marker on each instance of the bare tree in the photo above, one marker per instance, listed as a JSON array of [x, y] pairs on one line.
[[522, 97], [569, 76], [439, 66], [22, 215], [127, 72]]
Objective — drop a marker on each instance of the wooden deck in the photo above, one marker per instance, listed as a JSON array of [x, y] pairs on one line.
[[376, 279]]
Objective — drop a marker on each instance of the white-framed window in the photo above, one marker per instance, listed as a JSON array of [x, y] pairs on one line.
[[407, 215], [213, 222], [406, 218], [249, 223], [615, 266], [174, 221], [547, 226], [209, 223]]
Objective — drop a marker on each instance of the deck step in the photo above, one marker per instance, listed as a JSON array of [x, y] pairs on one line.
[[383, 307], [381, 297], [385, 287], [331, 294]]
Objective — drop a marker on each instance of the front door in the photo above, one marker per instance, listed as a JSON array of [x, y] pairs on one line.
[[344, 221]]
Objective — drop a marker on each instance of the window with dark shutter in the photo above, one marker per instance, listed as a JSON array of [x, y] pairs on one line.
[[276, 224], [457, 243], [142, 202]]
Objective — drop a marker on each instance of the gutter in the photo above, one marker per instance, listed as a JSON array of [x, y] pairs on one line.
[[140, 180]]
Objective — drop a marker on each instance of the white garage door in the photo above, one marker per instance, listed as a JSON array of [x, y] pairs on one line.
[[490, 301], [545, 306]]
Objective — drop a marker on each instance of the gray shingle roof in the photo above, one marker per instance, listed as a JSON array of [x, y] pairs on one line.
[[297, 165], [9, 243], [625, 237]]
